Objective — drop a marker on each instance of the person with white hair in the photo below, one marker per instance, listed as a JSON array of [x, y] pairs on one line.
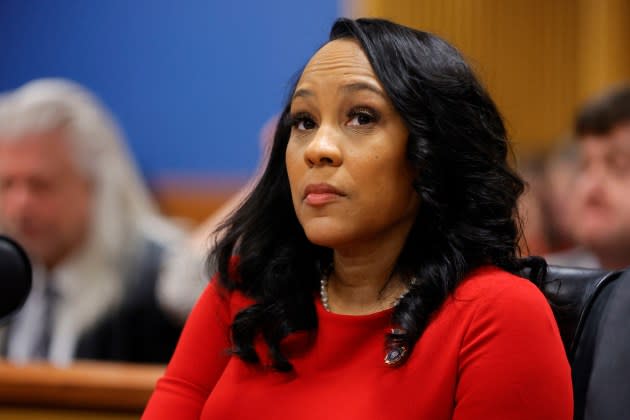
[[71, 195]]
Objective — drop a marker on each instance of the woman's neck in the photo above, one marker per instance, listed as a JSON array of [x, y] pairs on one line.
[[362, 281]]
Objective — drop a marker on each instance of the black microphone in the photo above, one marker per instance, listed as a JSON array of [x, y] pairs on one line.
[[16, 277]]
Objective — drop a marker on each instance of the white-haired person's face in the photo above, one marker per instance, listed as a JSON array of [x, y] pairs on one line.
[[45, 200], [346, 158]]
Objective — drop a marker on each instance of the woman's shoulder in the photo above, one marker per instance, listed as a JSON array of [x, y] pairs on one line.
[[491, 282], [226, 293], [508, 348], [492, 296], [492, 293], [222, 288]]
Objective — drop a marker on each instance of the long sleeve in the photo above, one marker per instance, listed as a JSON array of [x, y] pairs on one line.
[[198, 361], [512, 364]]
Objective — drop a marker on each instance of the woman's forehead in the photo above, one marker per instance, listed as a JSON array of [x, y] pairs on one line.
[[339, 55], [341, 59]]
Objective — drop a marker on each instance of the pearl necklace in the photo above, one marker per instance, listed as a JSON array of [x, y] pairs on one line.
[[323, 293]]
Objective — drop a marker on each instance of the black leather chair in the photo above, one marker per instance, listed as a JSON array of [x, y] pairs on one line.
[[592, 308]]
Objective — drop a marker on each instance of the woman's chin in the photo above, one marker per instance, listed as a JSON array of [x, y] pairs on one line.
[[326, 239]]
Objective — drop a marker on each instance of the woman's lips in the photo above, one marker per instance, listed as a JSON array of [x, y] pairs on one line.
[[320, 194]]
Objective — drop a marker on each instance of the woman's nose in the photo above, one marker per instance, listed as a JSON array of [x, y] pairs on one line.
[[323, 148]]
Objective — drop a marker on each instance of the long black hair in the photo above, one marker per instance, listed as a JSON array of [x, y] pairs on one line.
[[468, 194]]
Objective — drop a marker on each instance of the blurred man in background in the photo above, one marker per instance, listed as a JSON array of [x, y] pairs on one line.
[[599, 212], [70, 194]]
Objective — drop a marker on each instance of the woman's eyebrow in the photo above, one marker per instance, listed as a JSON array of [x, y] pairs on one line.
[[304, 93], [349, 88], [358, 86]]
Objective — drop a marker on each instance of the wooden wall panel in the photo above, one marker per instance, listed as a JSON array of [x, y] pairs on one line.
[[538, 58], [603, 45]]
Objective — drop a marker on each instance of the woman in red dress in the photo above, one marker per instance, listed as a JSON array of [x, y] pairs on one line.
[[376, 257]]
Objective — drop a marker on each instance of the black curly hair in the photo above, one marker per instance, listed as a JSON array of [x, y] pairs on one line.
[[468, 196]]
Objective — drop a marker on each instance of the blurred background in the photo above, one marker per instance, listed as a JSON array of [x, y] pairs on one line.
[[195, 86], [192, 83]]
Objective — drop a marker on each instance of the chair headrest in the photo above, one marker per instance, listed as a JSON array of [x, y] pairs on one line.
[[571, 292]]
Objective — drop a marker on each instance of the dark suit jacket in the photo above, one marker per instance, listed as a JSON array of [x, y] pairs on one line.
[[602, 363], [135, 330], [138, 330]]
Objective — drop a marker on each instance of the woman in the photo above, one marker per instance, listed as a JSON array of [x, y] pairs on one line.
[[374, 257]]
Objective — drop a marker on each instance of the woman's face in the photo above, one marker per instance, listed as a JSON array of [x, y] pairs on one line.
[[351, 183]]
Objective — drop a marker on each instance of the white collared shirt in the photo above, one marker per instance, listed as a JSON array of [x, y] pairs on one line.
[[86, 287]]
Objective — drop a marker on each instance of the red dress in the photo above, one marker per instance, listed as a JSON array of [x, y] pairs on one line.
[[493, 351]]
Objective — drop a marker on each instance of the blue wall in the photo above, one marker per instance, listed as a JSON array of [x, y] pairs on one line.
[[191, 82]]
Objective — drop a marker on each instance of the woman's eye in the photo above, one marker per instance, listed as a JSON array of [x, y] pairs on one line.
[[302, 122], [305, 124], [362, 117]]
